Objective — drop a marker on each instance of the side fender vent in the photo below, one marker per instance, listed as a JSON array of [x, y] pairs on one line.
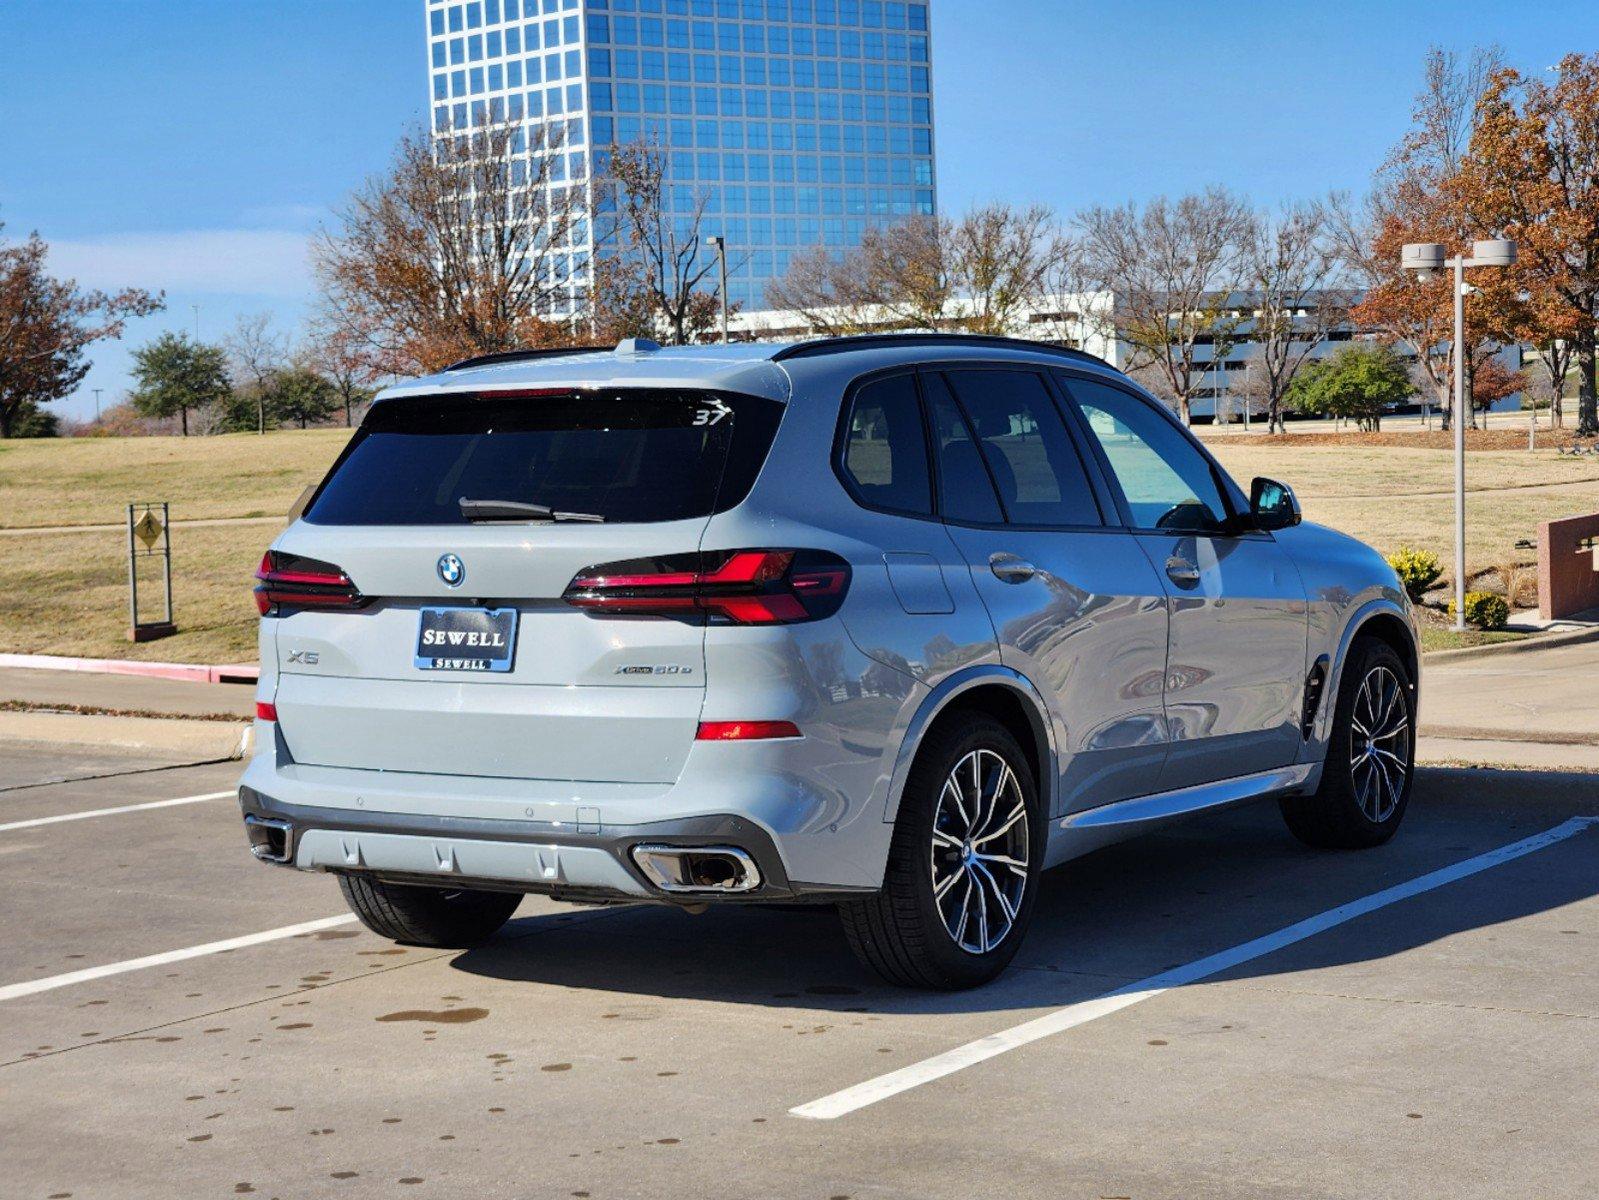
[[1315, 685]]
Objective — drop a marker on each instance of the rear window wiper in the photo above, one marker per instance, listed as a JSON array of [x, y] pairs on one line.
[[518, 510]]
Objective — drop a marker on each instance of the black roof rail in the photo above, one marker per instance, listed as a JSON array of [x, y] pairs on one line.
[[505, 356], [864, 341]]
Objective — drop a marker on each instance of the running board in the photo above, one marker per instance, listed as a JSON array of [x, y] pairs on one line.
[[1164, 805]]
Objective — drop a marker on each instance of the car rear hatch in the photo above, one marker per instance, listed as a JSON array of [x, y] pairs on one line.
[[421, 634]]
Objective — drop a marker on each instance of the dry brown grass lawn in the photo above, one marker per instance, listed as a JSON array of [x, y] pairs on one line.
[[90, 481], [67, 593], [1392, 496]]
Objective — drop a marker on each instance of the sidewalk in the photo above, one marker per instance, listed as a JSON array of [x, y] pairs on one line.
[[127, 714], [1533, 707], [127, 693]]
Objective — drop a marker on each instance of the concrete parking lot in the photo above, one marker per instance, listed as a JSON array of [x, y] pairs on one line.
[[1442, 1044]]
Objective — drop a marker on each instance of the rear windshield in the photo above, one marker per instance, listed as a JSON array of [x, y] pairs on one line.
[[627, 456]]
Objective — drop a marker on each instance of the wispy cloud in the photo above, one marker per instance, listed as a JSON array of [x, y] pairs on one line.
[[259, 262]]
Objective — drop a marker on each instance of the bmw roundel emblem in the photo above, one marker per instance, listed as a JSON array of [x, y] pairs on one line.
[[451, 569]]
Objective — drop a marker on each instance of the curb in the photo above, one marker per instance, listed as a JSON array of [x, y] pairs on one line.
[[1544, 642], [1466, 733], [199, 741], [186, 672], [1435, 750]]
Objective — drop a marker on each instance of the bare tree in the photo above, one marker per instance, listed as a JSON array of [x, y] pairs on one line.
[[901, 276], [833, 299], [1292, 267], [461, 248], [1067, 309], [256, 353], [1004, 259], [1412, 200], [1170, 270], [978, 273], [648, 236], [341, 359], [909, 271]]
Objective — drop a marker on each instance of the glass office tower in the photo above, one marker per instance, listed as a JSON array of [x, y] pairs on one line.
[[796, 123]]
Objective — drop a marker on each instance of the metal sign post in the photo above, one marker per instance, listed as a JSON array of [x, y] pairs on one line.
[[146, 528]]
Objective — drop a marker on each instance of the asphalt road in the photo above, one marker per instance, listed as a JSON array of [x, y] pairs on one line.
[[1445, 1043]]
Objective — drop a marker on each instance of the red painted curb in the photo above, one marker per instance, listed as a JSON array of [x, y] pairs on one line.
[[187, 672]]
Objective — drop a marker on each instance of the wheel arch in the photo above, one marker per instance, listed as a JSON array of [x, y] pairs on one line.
[[1000, 692], [1386, 621]]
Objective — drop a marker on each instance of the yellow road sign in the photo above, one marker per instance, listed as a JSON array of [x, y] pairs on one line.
[[148, 529]]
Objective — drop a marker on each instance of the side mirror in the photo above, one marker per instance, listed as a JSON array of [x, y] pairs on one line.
[[1272, 505]]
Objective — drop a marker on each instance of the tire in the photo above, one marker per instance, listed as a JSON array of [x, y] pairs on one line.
[[454, 919], [1363, 792], [903, 932]]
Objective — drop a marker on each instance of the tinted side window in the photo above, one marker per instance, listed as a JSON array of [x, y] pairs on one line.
[[1040, 478], [965, 491], [1168, 484], [885, 447]]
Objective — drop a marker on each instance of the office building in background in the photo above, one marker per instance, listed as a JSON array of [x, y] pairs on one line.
[[796, 123]]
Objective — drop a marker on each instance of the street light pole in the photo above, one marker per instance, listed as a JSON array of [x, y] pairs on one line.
[[721, 254], [1458, 415], [1426, 259]]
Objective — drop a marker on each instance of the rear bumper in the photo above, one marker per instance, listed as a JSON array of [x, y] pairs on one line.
[[551, 858]]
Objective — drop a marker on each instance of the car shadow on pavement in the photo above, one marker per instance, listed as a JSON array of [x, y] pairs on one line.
[[1122, 914]]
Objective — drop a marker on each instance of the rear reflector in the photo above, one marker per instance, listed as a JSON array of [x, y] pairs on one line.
[[737, 587], [290, 581], [265, 711], [745, 731]]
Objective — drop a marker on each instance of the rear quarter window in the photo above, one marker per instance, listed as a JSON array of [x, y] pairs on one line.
[[629, 456], [884, 451]]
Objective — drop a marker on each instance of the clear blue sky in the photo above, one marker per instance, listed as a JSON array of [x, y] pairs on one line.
[[192, 145]]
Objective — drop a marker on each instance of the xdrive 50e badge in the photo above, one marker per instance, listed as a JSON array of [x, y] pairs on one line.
[[451, 569]]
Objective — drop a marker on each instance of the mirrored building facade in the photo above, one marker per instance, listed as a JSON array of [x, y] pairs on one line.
[[794, 123]]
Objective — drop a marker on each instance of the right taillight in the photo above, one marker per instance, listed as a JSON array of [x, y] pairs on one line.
[[293, 581], [735, 587]]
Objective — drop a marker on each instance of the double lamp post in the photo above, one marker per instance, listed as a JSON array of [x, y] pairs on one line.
[[1426, 259]]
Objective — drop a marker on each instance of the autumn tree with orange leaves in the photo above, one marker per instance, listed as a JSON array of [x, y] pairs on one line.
[[46, 328], [1416, 198], [1532, 174], [456, 251]]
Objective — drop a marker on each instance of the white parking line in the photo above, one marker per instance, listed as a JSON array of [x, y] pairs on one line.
[[110, 812], [862, 1094], [33, 986]]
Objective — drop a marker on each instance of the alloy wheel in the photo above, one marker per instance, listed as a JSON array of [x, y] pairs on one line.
[[980, 848], [1379, 744]]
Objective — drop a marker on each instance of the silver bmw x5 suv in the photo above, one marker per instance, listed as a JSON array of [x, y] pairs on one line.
[[892, 623]]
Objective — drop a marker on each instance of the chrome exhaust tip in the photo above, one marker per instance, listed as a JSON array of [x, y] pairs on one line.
[[271, 840], [698, 869]]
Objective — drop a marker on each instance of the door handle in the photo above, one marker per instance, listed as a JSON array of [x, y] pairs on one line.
[[1008, 568], [1181, 572]]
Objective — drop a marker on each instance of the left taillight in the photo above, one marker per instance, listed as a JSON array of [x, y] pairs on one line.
[[293, 581], [734, 587]]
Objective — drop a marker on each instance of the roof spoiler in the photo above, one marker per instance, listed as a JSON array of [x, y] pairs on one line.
[[510, 356]]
